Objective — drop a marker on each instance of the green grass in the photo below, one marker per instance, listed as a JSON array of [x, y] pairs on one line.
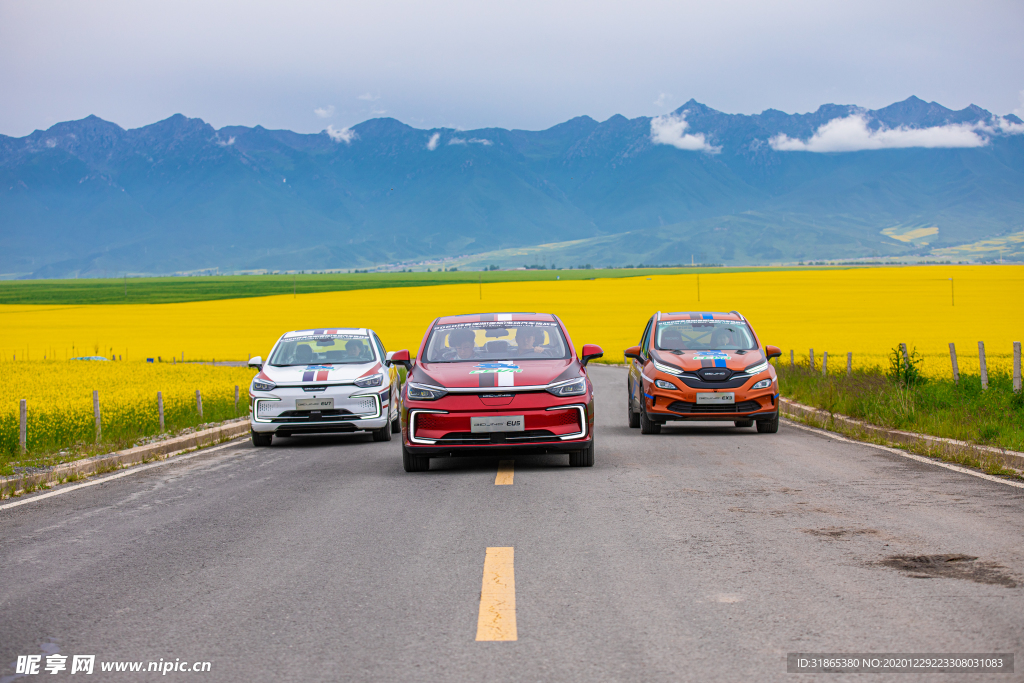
[[164, 290], [930, 406]]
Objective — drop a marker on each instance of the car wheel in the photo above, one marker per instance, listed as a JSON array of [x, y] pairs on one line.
[[261, 439], [584, 458], [768, 426], [396, 425], [631, 417], [382, 434], [744, 423], [647, 425], [414, 463]]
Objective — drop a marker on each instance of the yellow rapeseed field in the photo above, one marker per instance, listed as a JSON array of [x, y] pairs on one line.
[[866, 311]]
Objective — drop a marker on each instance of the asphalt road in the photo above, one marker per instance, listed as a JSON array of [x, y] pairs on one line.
[[705, 553]]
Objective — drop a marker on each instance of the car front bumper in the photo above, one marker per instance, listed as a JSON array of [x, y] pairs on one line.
[[355, 409]]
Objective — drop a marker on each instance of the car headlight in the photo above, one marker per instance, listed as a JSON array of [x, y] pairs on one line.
[[757, 369], [662, 384], [261, 385], [666, 368], [374, 381], [763, 384], [574, 387], [424, 392]]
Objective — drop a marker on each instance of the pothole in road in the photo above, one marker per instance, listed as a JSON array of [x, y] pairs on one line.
[[953, 566], [842, 533]]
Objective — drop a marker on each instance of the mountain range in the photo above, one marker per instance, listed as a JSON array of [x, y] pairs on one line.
[[86, 198]]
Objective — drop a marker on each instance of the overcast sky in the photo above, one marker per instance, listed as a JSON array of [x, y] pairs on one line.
[[469, 64]]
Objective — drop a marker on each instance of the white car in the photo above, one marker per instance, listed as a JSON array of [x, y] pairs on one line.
[[327, 380]]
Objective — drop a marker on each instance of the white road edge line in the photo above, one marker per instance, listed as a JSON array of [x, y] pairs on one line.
[[124, 473], [905, 454]]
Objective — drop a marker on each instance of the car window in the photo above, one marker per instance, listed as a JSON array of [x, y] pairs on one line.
[[507, 340], [330, 349], [380, 347], [703, 335], [645, 339]]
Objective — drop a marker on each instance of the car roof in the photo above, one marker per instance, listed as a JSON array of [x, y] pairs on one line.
[[493, 317], [362, 331], [701, 315]]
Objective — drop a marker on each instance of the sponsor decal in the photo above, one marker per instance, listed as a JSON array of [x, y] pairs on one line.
[[485, 368], [712, 355]]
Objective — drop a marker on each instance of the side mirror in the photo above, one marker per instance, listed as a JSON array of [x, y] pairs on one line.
[[590, 351], [256, 362], [632, 352], [400, 358], [772, 352]]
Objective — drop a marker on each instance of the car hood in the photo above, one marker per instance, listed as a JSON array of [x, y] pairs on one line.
[[695, 360], [493, 374], [316, 374]]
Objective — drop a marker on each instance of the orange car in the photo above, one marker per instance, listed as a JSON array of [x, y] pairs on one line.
[[701, 366]]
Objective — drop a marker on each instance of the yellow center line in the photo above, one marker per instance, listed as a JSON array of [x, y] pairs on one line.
[[497, 619], [505, 472]]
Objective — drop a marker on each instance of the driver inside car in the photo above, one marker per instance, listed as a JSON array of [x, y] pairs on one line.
[[529, 341], [723, 339]]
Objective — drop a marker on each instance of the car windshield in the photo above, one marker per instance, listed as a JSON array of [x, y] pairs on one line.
[[507, 340], [703, 335], [322, 349]]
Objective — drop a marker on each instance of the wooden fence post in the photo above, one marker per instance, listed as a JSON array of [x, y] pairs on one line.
[[849, 363], [236, 399], [792, 361], [906, 358], [952, 359], [96, 413], [199, 403], [160, 408], [23, 427], [982, 366], [810, 359], [1016, 367], [824, 364]]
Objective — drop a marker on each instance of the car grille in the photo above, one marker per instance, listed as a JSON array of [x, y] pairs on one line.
[[741, 407], [300, 416], [471, 439]]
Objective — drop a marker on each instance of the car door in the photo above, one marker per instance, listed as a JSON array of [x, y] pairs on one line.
[[636, 368]]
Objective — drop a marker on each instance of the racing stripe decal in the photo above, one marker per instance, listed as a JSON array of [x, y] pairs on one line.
[[308, 376], [486, 379], [708, 316], [321, 375], [707, 363], [720, 363], [506, 379], [487, 318]]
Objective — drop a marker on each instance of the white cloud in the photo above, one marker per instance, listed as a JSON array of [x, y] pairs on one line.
[[851, 134], [325, 112], [432, 143], [345, 135], [671, 130], [663, 100], [456, 141], [225, 143], [368, 97], [481, 141]]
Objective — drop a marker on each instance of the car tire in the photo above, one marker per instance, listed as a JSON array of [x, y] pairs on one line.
[[412, 462], [396, 425], [631, 417], [584, 458], [261, 439], [768, 426], [382, 434], [647, 425], [743, 423]]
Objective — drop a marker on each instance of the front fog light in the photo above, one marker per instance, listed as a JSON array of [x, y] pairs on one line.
[[763, 384], [662, 384]]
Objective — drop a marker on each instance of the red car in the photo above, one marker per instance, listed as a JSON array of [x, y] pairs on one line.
[[497, 382], [701, 366]]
